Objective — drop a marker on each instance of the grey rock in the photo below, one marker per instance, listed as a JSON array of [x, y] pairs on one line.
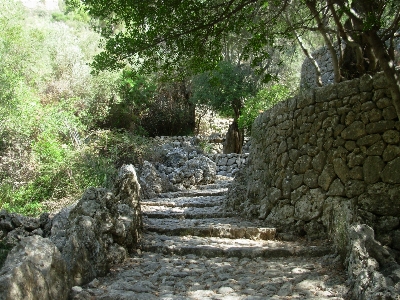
[[176, 158], [354, 188], [391, 152], [366, 83], [356, 173], [379, 199], [341, 169], [302, 164], [372, 169], [311, 179], [368, 261], [376, 149], [151, 180], [310, 205], [387, 223], [354, 131], [368, 140], [355, 159], [379, 127], [319, 161], [281, 215], [391, 137], [391, 172], [34, 269], [327, 176], [336, 188]]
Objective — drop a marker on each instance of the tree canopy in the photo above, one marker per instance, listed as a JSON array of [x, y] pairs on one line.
[[183, 35], [189, 36]]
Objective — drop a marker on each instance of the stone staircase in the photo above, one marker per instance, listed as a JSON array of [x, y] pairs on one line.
[[193, 249]]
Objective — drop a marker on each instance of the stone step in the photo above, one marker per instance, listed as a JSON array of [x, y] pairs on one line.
[[203, 201], [224, 247], [162, 212], [216, 185], [223, 227], [195, 193]]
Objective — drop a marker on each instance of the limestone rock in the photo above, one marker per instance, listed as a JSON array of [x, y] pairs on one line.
[[372, 169], [302, 164], [152, 182], [176, 158], [354, 131], [336, 188], [100, 228], [381, 199], [326, 177], [34, 269], [368, 261], [269, 201], [281, 215], [341, 169], [309, 206], [391, 173]]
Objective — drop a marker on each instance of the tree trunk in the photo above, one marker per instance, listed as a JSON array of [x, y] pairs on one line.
[[318, 79], [234, 139], [307, 53], [387, 66], [321, 28]]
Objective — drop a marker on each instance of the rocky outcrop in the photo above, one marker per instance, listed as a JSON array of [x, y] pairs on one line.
[[82, 242], [34, 269], [372, 269]]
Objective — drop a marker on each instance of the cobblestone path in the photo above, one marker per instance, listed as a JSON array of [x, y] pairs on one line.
[[194, 250]]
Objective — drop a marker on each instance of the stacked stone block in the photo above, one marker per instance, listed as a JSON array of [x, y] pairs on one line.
[[229, 164], [326, 158]]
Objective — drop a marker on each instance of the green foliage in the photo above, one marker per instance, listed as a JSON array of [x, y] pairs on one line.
[[264, 99], [225, 89], [177, 37], [48, 102], [136, 94]]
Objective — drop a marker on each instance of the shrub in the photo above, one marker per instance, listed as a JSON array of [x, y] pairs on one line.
[[264, 99]]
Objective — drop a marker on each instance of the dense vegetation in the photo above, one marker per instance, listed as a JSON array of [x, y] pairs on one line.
[[81, 90], [57, 135]]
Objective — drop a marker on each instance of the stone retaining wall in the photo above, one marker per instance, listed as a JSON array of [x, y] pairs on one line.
[[229, 164], [212, 143], [324, 60], [324, 159]]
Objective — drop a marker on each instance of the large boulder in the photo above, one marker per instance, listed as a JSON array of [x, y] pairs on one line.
[[373, 272], [102, 228], [85, 239], [152, 181], [34, 269]]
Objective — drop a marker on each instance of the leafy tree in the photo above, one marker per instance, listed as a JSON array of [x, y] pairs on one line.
[[166, 34], [184, 35], [226, 89]]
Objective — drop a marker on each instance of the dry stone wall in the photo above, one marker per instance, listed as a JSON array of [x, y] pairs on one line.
[[324, 60], [226, 164], [324, 159]]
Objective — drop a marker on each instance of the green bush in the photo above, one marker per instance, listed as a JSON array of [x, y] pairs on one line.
[[264, 99]]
